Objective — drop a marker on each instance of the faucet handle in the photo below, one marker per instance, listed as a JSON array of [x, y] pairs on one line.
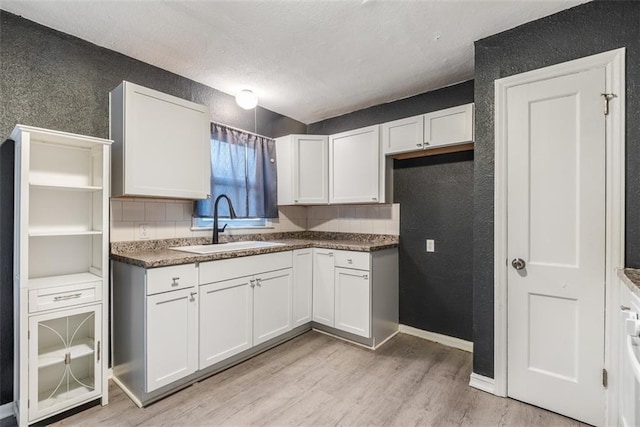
[[221, 230]]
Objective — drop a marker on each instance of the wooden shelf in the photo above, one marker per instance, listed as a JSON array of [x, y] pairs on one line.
[[55, 355], [53, 233], [65, 187], [67, 279], [434, 151]]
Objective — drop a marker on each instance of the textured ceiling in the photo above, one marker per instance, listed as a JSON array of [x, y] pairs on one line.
[[309, 60]]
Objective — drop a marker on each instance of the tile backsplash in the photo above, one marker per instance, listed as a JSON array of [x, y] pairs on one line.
[[140, 219]]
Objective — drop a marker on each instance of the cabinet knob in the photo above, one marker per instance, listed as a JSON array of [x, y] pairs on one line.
[[365, 276], [258, 282], [175, 281], [295, 201], [426, 143], [418, 145], [374, 198], [193, 296]]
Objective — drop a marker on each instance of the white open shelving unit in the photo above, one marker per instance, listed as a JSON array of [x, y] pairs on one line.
[[60, 271]]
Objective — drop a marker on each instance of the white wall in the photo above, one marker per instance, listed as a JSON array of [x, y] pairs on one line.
[[167, 219]]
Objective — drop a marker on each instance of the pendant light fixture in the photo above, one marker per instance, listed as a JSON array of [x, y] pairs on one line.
[[246, 99]]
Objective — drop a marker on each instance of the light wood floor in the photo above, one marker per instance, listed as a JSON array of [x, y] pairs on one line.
[[318, 380]]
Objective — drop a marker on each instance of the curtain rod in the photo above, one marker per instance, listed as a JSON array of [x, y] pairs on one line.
[[242, 130]]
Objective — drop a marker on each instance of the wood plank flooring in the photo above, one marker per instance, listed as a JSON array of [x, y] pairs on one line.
[[316, 380]]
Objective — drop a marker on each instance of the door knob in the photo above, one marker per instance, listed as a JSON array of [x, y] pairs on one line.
[[518, 263]]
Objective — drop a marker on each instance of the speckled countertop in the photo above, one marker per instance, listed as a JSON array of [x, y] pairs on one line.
[[631, 277], [155, 253]]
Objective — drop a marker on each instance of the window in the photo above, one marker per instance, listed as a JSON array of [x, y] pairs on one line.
[[243, 167]]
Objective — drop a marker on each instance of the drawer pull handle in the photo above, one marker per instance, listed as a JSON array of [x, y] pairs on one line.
[[350, 261], [67, 297], [330, 254], [193, 296], [365, 276], [258, 282], [98, 351], [175, 281]]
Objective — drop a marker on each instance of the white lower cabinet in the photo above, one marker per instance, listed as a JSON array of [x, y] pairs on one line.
[[65, 366], [172, 337], [303, 286], [353, 301], [323, 286], [272, 298], [226, 320]]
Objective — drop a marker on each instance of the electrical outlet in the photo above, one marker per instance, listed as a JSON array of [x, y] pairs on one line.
[[143, 231], [431, 245]]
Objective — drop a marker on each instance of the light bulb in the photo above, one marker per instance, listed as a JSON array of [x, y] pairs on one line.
[[246, 99]]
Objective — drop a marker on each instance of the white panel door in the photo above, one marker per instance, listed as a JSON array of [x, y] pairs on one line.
[[226, 320], [272, 305], [354, 166], [167, 145], [323, 286], [400, 136], [449, 127], [302, 286], [556, 226], [353, 301], [310, 169], [172, 337]]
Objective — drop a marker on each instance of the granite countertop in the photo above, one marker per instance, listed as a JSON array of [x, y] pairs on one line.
[[631, 277], [155, 253]]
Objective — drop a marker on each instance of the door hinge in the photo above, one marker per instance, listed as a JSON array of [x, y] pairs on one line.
[[607, 97], [605, 378]]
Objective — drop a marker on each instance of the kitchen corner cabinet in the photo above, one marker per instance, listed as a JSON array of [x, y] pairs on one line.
[[303, 286], [357, 293], [450, 126], [161, 144], [60, 271], [356, 167], [303, 169]]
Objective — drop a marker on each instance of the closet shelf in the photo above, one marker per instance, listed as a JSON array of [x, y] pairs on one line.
[[56, 355], [67, 279], [57, 233], [64, 187]]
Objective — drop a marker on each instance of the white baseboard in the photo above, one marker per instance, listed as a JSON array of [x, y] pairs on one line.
[[6, 410], [439, 338], [482, 383]]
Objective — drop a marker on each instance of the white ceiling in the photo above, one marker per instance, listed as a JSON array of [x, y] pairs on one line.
[[309, 60]]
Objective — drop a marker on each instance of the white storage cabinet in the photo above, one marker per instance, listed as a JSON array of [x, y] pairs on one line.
[[356, 167], [440, 128], [245, 301], [161, 144], [302, 286], [356, 293], [60, 271], [303, 169]]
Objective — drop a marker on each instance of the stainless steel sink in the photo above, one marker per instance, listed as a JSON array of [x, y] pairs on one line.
[[225, 247]]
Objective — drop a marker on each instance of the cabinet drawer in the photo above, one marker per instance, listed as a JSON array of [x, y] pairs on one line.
[[64, 296], [171, 278], [225, 269], [349, 259]]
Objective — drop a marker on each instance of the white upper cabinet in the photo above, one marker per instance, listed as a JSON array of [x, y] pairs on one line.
[[436, 129], [303, 169], [400, 136], [356, 173], [161, 144], [449, 127]]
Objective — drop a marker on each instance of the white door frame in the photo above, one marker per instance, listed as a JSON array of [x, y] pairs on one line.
[[614, 63]]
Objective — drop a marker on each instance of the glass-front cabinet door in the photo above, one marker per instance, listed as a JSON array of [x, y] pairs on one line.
[[65, 360]]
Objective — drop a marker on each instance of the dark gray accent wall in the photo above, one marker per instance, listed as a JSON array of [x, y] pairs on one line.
[[574, 33], [436, 202], [53, 80]]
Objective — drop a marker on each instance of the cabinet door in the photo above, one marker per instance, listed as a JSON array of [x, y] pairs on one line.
[[403, 135], [310, 169], [354, 166], [272, 300], [449, 127], [353, 301], [166, 145], [302, 286], [323, 286], [226, 320], [172, 337], [65, 360]]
